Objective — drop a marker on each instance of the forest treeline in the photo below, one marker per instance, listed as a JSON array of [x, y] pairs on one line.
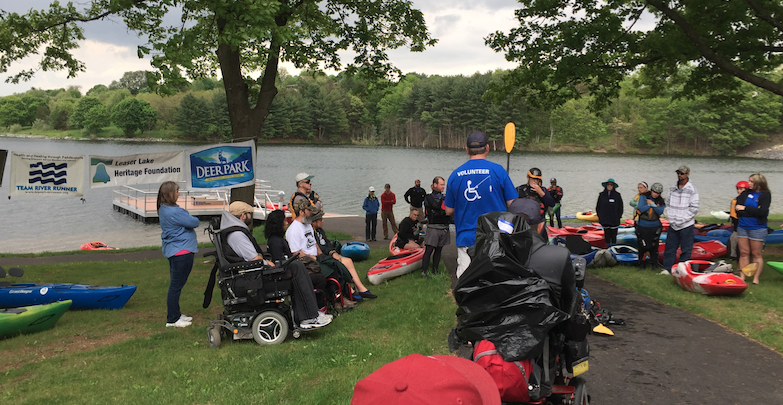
[[416, 111]]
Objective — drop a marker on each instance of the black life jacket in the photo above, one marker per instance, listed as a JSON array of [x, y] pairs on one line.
[[229, 253], [435, 213], [650, 214], [524, 191], [296, 193]]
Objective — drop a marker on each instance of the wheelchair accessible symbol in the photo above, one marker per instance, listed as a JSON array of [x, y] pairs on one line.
[[471, 193]]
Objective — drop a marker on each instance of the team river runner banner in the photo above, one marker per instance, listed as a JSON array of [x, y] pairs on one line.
[[37, 174], [144, 168], [222, 166]]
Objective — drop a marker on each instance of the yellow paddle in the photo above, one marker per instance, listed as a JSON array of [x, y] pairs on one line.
[[510, 136], [750, 269], [603, 330]]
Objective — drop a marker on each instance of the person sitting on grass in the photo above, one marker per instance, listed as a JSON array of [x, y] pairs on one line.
[[327, 249], [241, 246], [408, 236]]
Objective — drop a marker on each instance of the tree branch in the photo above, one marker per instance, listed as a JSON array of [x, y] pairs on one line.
[[763, 15], [711, 55]]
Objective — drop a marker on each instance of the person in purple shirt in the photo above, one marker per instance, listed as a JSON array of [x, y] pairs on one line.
[[179, 246], [475, 188]]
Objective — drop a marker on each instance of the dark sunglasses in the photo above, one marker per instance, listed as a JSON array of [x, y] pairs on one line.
[[306, 181], [680, 173]]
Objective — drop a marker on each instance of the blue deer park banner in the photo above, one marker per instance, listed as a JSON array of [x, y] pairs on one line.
[[222, 166], [39, 174]]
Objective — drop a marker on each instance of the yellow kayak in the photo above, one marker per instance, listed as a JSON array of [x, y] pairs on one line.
[[588, 216]]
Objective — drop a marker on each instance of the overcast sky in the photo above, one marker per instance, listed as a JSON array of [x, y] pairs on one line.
[[459, 25]]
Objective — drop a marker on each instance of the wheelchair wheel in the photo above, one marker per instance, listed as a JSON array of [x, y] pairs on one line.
[[213, 336], [270, 328], [580, 391]]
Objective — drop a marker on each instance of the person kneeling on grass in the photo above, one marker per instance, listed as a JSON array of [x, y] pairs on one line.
[[241, 246], [408, 236], [326, 249]]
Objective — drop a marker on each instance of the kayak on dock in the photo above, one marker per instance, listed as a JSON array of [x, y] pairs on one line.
[[31, 319]]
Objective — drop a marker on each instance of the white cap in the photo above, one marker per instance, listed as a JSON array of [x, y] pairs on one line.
[[372, 188], [303, 176]]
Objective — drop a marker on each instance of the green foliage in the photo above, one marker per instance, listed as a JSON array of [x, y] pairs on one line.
[[61, 111], [567, 49], [132, 115], [15, 129], [194, 117], [12, 111], [95, 119], [76, 120]]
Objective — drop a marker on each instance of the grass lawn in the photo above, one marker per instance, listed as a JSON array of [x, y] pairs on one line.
[[128, 356]]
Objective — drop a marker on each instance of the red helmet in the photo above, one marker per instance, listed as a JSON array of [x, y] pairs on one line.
[[743, 184]]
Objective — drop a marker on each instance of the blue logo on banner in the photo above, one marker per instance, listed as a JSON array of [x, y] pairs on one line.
[[222, 166], [48, 173]]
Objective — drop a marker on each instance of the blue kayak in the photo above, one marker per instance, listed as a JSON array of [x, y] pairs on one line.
[[83, 296], [588, 257], [628, 239], [357, 251], [624, 254], [775, 237]]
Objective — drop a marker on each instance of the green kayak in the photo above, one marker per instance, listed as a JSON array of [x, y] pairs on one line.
[[35, 318], [777, 266]]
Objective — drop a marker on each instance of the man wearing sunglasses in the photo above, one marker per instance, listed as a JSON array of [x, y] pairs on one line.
[[303, 191], [682, 205]]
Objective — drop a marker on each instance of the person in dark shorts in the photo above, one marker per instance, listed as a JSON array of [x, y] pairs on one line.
[[408, 237], [438, 234]]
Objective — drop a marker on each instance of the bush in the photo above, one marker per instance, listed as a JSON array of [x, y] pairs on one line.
[[41, 125], [15, 129]]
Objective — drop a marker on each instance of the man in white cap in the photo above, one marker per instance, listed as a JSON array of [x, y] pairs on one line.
[[304, 191], [371, 206]]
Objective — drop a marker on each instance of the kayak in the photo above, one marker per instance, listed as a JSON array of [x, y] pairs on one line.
[[357, 251], [31, 319], [624, 254], [588, 257], [775, 237], [691, 276], [777, 266], [595, 237], [721, 235], [587, 216], [627, 239], [705, 250], [395, 266], [83, 296], [97, 246], [664, 223]]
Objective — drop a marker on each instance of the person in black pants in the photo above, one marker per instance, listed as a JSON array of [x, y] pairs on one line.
[[371, 206], [415, 197], [438, 234], [609, 208]]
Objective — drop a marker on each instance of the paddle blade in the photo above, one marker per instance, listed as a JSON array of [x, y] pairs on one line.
[[510, 136], [15, 272], [748, 271], [603, 330]]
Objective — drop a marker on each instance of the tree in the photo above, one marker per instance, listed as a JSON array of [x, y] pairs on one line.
[[96, 118], [194, 117], [133, 81], [76, 120], [12, 111], [60, 112], [234, 36], [570, 47], [131, 115]]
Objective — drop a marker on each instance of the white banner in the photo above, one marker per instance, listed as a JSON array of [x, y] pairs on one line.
[[38, 174], [144, 168], [222, 166]]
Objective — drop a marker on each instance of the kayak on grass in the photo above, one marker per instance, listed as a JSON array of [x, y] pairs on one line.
[[624, 254], [589, 216], [706, 250], [83, 296], [97, 246], [778, 266], [697, 276], [357, 251], [31, 319], [395, 266]]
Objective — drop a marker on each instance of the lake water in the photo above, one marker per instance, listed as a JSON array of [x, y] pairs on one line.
[[342, 176]]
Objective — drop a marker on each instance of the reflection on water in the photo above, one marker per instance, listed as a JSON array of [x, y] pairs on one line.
[[342, 175]]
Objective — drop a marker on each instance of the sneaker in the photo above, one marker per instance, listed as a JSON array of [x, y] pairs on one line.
[[368, 294], [345, 307], [325, 318], [183, 317], [357, 297], [179, 324], [313, 323], [665, 273]]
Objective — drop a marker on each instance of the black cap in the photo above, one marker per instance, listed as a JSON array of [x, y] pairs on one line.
[[477, 140], [528, 207]]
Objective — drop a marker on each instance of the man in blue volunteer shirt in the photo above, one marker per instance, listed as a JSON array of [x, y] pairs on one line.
[[475, 188]]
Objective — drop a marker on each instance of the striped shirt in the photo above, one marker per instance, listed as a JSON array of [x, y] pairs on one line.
[[682, 205]]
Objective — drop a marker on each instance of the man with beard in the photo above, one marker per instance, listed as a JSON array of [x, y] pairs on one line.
[[241, 246]]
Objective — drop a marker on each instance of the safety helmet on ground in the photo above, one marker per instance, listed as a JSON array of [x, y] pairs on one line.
[[743, 184]]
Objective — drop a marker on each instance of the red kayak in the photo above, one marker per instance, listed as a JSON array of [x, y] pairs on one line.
[[395, 266], [706, 250], [594, 237], [664, 222], [97, 246], [693, 275]]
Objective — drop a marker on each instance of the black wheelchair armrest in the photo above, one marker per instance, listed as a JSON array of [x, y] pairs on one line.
[[212, 253]]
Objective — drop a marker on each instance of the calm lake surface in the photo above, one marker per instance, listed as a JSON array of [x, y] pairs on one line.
[[342, 176]]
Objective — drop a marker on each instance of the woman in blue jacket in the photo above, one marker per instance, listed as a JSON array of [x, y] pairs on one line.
[[752, 209], [371, 206], [609, 208], [179, 246], [648, 226]]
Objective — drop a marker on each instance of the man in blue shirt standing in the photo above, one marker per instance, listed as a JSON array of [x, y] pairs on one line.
[[475, 188]]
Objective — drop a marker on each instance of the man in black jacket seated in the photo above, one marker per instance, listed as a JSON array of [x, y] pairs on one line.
[[240, 246]]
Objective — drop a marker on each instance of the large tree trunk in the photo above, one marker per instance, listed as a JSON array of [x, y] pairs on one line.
[[246, 122]]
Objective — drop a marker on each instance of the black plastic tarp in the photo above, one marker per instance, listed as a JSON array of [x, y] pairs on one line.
[[501, 300]]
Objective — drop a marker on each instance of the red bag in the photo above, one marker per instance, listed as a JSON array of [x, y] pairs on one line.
[[511, 377]]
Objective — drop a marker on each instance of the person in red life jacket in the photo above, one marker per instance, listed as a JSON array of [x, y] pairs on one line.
[[609, 208], [557, 194], [388, 199]]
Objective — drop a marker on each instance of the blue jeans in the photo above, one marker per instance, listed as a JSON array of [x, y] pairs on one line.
[[179, 268], [677, 239]]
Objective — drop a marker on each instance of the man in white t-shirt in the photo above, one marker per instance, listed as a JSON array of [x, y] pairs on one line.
[[300, 234]]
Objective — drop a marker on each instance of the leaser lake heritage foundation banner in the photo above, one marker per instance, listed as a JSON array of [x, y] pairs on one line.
[[144, 168], [37, 174], [224, 165]]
